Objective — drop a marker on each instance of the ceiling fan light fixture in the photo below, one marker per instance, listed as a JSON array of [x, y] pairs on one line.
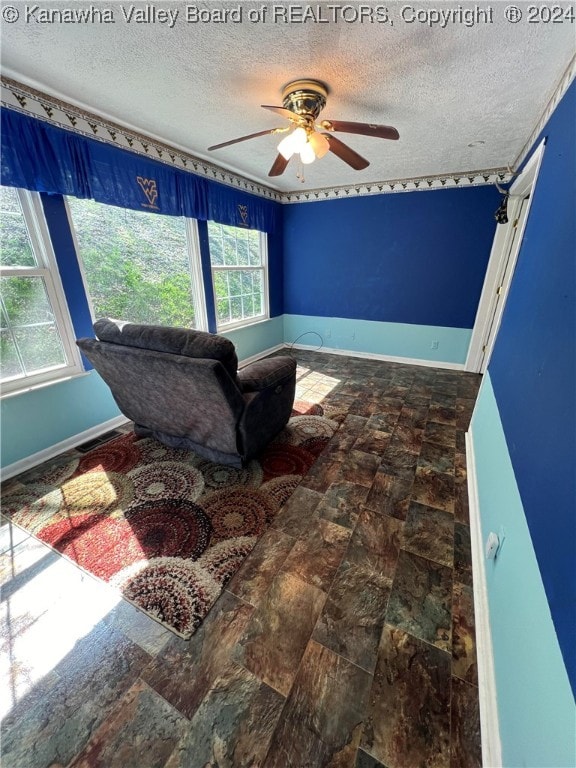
[[319, 144], [307, 154], [285, 147], [299, 139], [302, 102], [293, 143]]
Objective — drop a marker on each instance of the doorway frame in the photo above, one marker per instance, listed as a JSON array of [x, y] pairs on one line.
[[500, 269]]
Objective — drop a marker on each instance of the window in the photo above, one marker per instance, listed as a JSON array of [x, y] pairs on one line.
[[138, 266], [36, 336], [239, 274]]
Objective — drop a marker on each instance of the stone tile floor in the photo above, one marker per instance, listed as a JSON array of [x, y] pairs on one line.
[[346, 639]]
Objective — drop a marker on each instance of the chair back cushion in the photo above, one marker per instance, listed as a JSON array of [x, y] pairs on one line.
[[177, 341]]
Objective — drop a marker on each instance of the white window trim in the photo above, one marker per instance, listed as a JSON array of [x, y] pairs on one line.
[[47, 268], [263, 267]]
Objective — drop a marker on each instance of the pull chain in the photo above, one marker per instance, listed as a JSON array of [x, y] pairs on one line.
[[300, 172]]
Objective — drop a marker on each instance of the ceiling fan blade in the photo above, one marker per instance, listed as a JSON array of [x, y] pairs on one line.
[[364, 129], [346, 153], [278, 166], [282, 111], [249, 136]]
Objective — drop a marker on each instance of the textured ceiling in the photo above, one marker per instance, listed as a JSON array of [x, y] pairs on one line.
[[196, 84]]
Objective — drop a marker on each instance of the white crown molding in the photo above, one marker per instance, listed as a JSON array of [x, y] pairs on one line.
[[559, 92]]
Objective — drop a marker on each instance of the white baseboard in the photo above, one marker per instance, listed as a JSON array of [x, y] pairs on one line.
[[64, 445], [489, 723], [259, 355], [385, 358]]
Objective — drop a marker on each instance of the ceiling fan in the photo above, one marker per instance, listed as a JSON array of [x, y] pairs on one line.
[[303, 100]]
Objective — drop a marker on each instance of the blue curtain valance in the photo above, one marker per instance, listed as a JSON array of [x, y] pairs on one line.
[[43, 158]]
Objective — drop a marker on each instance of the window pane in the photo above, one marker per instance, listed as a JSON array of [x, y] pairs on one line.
[[223, 310], [235, 283], [11, 365], [229, 244], [9, 200], [258, 304], [254, 246], [243, 250], [39, 347], [236, 308], [25, 300], [258, 294], [136, 264], [216, 247], [15, 246], [239, 292], [30, 337]]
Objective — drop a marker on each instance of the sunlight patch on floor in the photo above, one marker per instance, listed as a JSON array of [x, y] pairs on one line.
[[47, 604], [314, 386]]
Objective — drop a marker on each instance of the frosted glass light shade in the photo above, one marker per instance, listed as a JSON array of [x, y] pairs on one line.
[[307, 154], [285, 147], [300, 138], [319, 143], [292, 143]]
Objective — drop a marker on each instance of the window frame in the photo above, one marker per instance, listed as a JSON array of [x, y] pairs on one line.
[[265, 314], [192, 254], [47, 270]]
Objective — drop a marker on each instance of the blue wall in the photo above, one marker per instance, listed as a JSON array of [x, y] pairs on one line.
[[524, 438], [63, 244], [411, 258], [533, 371]]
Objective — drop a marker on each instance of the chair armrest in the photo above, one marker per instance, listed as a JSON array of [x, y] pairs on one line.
[[269, 387], [270, 372]]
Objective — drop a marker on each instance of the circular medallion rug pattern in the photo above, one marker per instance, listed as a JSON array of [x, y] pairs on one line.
[[164, 526]]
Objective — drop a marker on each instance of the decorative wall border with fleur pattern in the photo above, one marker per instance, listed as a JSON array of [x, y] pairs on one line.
[[36, 104], [475, 178], [27, 100]]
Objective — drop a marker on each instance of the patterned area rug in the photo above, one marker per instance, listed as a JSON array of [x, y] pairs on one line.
[[166, 527]]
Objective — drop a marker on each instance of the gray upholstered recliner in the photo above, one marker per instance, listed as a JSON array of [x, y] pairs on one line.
[[183, 387]]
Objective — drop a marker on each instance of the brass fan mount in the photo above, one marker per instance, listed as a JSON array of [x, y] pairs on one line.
[[305, 98]]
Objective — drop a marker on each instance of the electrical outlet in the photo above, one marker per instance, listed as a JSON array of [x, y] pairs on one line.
[[434, 345], [492, 546]]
